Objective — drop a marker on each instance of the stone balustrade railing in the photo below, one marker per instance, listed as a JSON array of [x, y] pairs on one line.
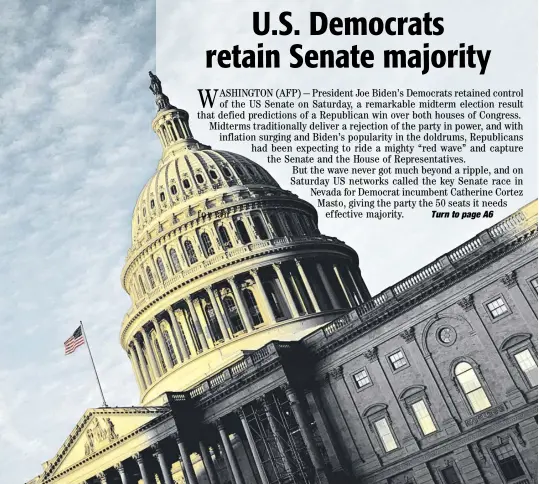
[[221, 257]]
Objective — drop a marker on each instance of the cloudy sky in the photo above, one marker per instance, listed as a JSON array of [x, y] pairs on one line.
[[77, 147]]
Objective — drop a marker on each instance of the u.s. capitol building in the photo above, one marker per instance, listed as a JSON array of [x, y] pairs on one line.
[[262, 358]]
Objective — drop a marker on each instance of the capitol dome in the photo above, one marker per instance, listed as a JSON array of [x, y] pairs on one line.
[[222, 261]]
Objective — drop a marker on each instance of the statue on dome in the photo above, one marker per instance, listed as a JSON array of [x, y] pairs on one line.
[[155, 84]]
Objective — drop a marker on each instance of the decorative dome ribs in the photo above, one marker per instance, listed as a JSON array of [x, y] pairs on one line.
[[222, 258]]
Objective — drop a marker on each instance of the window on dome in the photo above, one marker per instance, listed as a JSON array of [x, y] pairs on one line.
[[151, 280], [206, 243], [213, 324], [162, 196], [173, 190], [199, 178], [186, 183], [223, 235], [144, 212], [170, 347], [161, 268], [160, 358], [227, 172], [213, 175], [174, 259], [233, 316], [152, 204], [179, 128], [274, 301], [260, 227], [190, 250], [250, 300], [169, 124], [244, 235], [251, 171]]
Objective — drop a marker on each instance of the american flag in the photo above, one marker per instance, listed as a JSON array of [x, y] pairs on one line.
[[74, 341]]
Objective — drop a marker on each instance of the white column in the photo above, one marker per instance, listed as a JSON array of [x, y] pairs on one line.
[[162, 345], [102, 478], [327, 286], [165, 469], [196, 322], [307, 285], [252, 445], [184, 322], [190, 474], [217, 311], [266, 306], [205, 324], [151, 354], [144, 368], [286, 290], [136, 369], [142, 467], [120, 468], [177, 333], [349, 297], [357, 291], [241, 305], [229, 451], [208, 463]]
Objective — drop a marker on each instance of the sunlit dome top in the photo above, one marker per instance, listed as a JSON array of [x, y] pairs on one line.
[[188, 170]]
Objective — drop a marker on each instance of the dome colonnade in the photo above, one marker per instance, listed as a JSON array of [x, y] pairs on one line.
[[221, 256]]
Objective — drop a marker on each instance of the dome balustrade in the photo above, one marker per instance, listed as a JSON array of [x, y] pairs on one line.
[[222, 261]]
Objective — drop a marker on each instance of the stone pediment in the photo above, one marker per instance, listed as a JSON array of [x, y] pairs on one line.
[[98, 429]]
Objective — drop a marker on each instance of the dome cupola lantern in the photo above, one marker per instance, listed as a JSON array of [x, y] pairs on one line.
[[171, 124]]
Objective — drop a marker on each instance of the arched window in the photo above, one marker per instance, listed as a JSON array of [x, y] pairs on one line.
[[244, 235], [223, 235], [260, 227], [274, 301], [471, 387], [252, 307], [190, 250], [160, 356], [161, 267], [206, 243], [232, 313], [174, 259], [170, 348], [150, 277], [276, 223], [141, 284]]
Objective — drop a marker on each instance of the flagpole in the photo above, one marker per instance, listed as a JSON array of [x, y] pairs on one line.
[[93, 364]]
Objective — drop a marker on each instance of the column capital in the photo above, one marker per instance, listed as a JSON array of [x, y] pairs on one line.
[[170, 309], [408, 335], [102, 477], [372, 354], [254, 271], [240, 413], [156, 449], [219, 424], [336, 373], [467, 302], [120, 467], [510, 279], [138, 457]]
